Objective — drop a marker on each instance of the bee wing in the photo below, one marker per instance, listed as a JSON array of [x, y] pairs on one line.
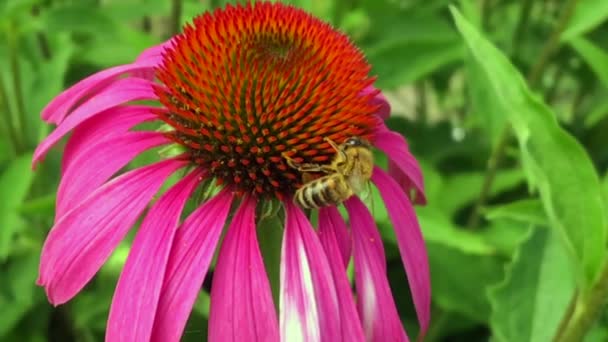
[[367, 196]]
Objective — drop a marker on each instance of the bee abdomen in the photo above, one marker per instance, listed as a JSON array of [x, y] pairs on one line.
[[325, 191]]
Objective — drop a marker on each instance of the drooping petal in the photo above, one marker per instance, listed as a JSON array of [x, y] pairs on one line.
[[379, 99], [61, 105], [115, 121], [410, 241], [330, 222], [189, 260], [339, 231], [98, 163], [119, 92], [84, 238], [241, 299], [138, 289], [308, 300], [395, 147], [154, 54], [381, 320]]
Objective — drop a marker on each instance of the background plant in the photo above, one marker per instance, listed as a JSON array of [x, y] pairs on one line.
[[504, 103]]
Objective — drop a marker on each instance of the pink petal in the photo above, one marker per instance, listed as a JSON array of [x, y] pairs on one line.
[[408, 170], [114, 121], [154, 55], [381, 320], [121, 91], [308, 300], [56, 111], [136, 297], [330, 222], [241, 300], [410, 241], [339, 231], [96, 164], [379, 99], [189, 260], [84, 238]]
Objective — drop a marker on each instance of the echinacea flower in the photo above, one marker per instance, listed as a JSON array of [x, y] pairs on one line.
[[238, 90]]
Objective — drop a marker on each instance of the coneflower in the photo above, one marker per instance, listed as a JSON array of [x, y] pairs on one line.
[[239, 91]]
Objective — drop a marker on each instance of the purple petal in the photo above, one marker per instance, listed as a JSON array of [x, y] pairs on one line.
[[381, 320], [330, 222], [407, 171], [379, 99], [98, 163], [189, 260], [241, 300], [410, 241], [308, 300], [136, 297], [84, 238], [115, 121], [121, 91]]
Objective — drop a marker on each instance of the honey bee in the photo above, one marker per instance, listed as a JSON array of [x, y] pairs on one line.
[[346, 175]]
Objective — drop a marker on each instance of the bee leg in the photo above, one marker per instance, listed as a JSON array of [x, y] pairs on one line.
[[307, 177], [341, 155], [306, 167]]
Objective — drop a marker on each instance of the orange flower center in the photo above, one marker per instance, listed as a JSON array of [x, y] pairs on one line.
[[246, 84]]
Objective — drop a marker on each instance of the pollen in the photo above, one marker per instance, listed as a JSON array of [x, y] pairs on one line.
[[244, 85]]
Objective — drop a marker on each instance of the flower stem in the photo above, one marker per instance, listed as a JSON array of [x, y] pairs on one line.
[[175, 22], [488, 181], [505, 136], [9, 128], [522, 23], [588, 309], [552, 44], [18, 116], [563, 324]]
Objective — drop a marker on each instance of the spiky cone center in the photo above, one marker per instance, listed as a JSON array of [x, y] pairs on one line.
[[245, 85]]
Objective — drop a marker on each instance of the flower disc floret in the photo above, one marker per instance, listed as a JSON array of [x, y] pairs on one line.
[[249, 83]]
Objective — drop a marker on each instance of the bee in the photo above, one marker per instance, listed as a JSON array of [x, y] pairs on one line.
[[346, 175]]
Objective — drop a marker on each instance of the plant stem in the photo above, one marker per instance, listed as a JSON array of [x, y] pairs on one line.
[[552, 44], [8, 119], [505, 135], [17, 118], [563, 324], [588, 309], [175, 23], [493, 164], [522, 23]]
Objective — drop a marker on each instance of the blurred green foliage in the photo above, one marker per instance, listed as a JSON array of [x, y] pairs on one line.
[[505, 104]]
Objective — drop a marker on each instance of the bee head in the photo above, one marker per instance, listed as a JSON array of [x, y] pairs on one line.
[[356, 142]]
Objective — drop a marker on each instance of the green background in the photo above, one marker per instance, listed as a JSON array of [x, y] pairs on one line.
[[504, 103]]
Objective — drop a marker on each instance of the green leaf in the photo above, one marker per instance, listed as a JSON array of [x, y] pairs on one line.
[[437, 228], [538, 286], [463, 188], [555, 163], [485, 110], [80, 18], [270, 234], [460, 280], [17, 290], [527, 211], [402, 51], [593, 55], [15, 182], [587, 15], [505, 235], [598, 112], [400, 63]]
